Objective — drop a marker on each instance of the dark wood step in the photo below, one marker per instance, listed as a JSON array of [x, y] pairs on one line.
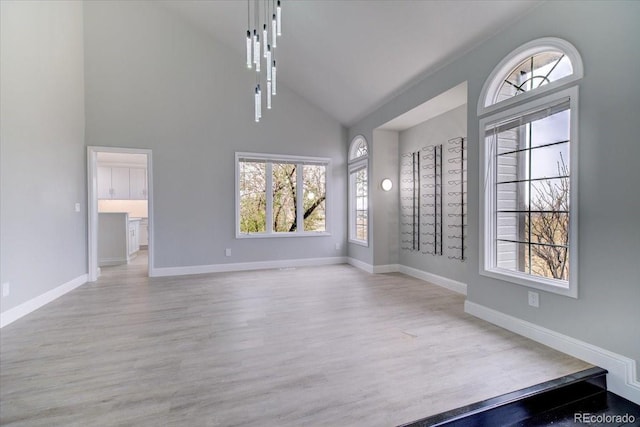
[[527, 404]]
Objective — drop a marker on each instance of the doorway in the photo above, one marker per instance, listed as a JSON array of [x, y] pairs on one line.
[[120, 208]]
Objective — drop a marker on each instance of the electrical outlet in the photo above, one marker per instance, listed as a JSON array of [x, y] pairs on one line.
[[534, 299], [338, 246], [227, 252], [6, 289]]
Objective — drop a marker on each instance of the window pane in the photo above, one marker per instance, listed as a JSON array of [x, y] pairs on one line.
[[550, 262], [532, 193], [284, 197], [253, 197], [550, 195], [553, 128], [360, 205], [315, 195], [534, 72], [550, 162]]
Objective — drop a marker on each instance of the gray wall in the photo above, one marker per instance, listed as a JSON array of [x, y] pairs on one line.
[[437, 130], [606, 313], [153, 81], [43, 239], [385, 237]]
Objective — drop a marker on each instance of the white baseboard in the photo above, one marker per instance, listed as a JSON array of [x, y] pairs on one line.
[[621, 379], [32, 305], [450, 284], [389, 268], [360, 264], [245, 266], [110, 262]]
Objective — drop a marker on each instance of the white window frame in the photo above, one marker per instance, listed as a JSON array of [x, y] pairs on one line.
[[487, 181], [493, 83], [300, 161], [355, 165]]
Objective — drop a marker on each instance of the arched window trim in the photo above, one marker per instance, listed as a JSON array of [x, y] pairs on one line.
[[357, 164], [496, 78], [354, 146]]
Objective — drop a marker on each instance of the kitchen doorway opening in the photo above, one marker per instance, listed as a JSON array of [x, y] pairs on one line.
[[120, 209]]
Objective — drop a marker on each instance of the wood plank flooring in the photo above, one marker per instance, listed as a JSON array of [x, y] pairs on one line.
[[321, 346]]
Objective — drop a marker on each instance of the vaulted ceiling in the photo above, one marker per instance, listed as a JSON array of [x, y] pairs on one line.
[[349, 57]]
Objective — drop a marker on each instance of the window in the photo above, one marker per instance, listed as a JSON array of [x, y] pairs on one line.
[[529, 175], [281, 195], [358, 191]]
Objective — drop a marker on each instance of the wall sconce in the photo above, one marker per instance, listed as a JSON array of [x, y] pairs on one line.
[[386, 184]]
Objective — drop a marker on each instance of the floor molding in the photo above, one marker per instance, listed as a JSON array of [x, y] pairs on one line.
[[621, 379], [360, 264], [245, 266], [33, 304], [389, 268], [450, 284]]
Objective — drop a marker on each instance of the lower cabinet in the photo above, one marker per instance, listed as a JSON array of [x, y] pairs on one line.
[[134, 236]]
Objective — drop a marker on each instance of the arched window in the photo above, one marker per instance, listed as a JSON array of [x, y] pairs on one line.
[[536, 67], [528, 135], [358, 191]]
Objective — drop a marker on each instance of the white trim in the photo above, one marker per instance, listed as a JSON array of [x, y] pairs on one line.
[[92, 206], [487, 229], [245, 266], [33, 304], [388, 268], [434, 279], [621, 379], [356, 139], [108, 262], [509, 62], [360, 264], [444, 282]]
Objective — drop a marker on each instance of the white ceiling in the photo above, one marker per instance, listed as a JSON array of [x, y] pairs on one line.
[[349, 57]]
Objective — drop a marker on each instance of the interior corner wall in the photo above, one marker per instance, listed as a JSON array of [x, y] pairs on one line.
[[606, 312], [437, 130], [385, 239], [43, 240], [154, 81]]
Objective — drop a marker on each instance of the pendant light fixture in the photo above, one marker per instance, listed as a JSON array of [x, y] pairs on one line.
[[267, 16]]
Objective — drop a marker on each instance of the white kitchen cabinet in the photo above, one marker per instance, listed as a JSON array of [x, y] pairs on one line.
[[144, 232], [138, 184], [134, 236], [120, 183], [104, 182]]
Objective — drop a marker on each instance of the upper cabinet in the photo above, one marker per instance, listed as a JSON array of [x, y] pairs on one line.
[[138, 184], [122, 183]]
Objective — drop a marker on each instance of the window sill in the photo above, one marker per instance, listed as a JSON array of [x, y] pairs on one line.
[[285, 235], [548, 285], [359, 242]]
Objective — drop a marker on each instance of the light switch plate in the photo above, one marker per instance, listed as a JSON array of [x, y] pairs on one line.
[[6, 289], [77, 207], [534, 299]]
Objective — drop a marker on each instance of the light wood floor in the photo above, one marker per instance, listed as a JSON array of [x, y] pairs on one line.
[[325, 346]]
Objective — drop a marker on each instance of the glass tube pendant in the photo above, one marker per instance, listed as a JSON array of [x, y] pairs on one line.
[[259, 102], [273, 31], [269, 69], [256, 105], [256, 53], [265, 39], [268, 95], [249, 59], [279, 18], [273, 78]]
